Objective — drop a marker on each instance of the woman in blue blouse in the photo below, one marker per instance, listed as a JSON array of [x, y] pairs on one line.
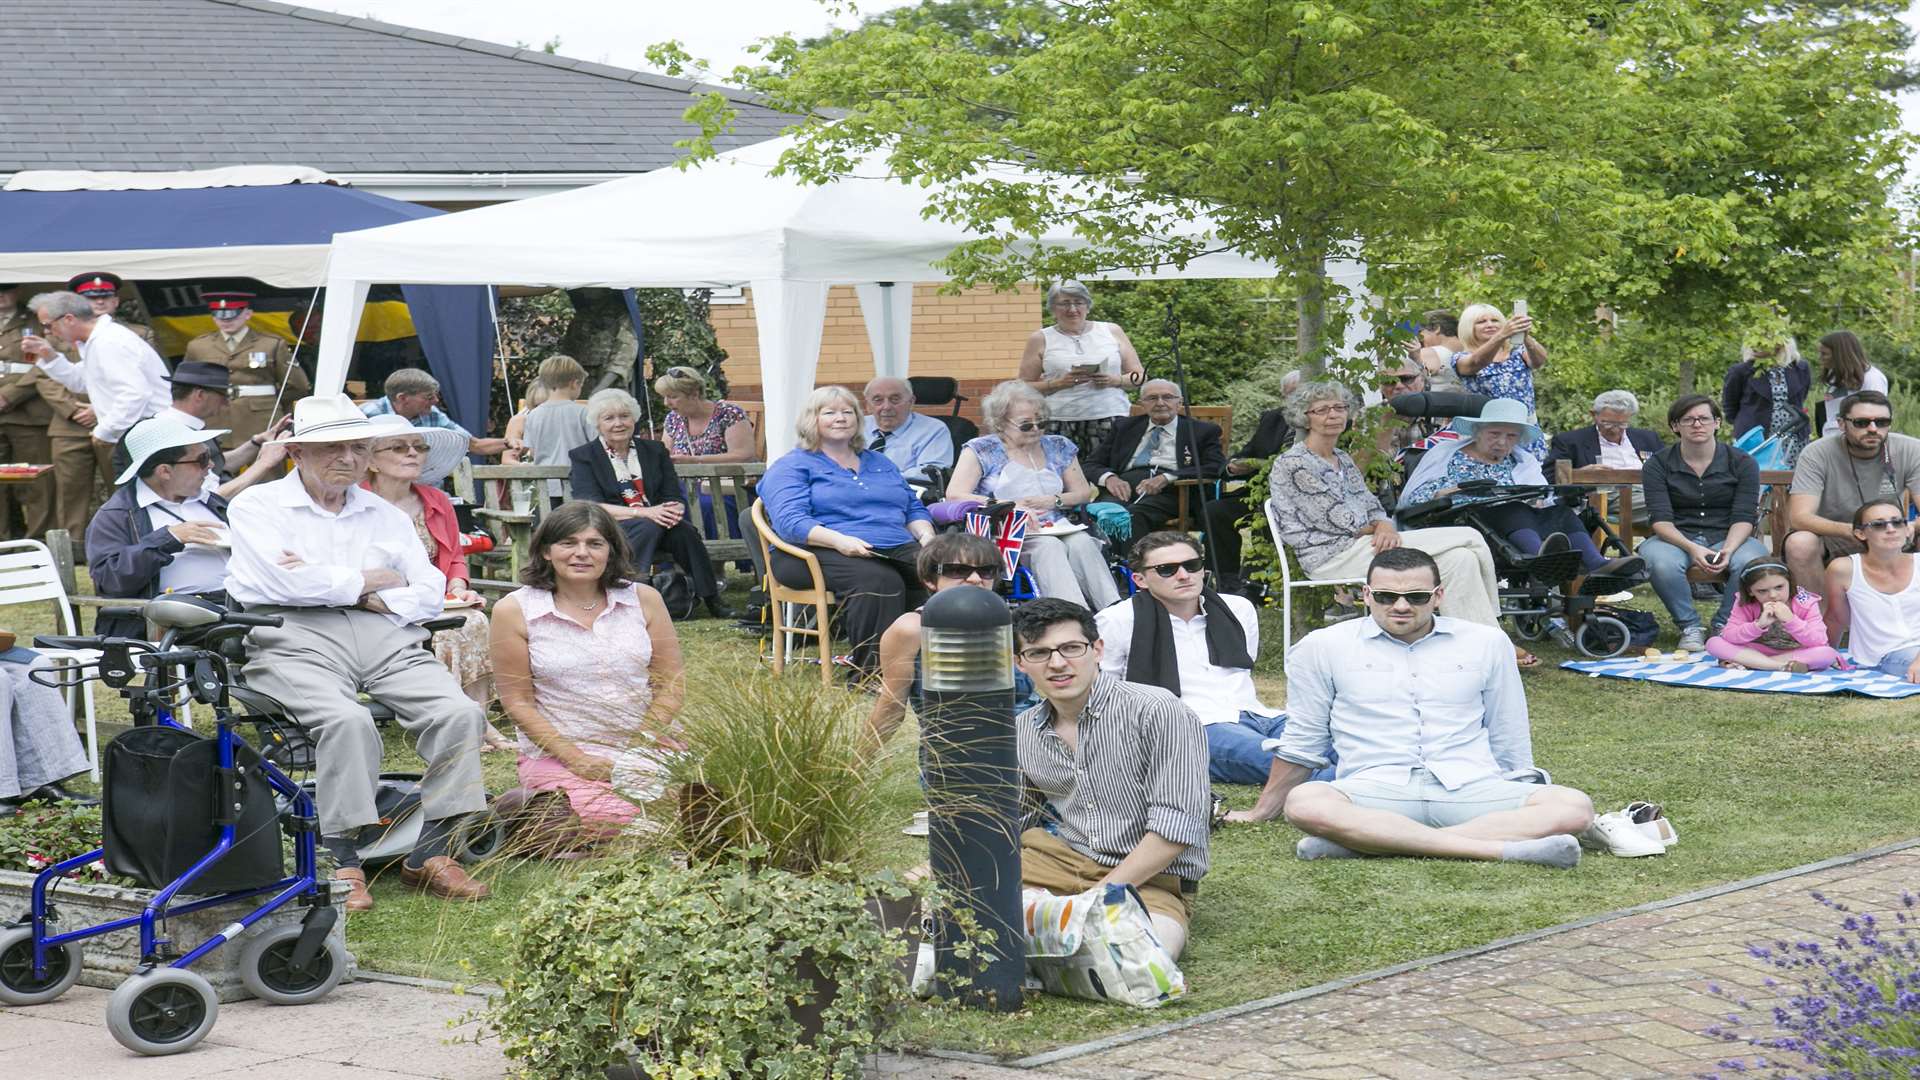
[[1490, 448], [1493, 364], [854, 510], [1042, 475]]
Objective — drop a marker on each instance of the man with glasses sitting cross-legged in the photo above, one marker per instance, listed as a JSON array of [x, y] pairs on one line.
[[1180, 634], [1426, 717]]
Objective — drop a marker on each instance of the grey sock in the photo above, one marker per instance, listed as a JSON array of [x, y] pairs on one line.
[[1319, 847], [1561, 852]]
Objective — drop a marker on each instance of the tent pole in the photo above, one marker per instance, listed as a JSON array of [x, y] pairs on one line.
[[299, 338], [500, 351], [1193, 435]]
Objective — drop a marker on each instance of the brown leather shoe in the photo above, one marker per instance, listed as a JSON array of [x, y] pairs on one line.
[[359, 899], [443, 877]]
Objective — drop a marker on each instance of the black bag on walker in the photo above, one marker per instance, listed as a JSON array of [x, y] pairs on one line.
[[160, 799]]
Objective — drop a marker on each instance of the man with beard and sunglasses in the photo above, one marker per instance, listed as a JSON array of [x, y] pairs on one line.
[[1179, 634], [1427, 721], [1833, 478]]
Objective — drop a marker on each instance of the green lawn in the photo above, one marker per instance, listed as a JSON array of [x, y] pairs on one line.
[[1753, 783]]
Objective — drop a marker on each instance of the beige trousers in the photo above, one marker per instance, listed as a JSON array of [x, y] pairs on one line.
[[1466, 570]]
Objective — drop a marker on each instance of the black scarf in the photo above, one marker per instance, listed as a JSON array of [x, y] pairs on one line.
[[1152, 661]]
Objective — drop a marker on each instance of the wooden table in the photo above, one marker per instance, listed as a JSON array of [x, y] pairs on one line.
[[25, 475], [1773, 503]]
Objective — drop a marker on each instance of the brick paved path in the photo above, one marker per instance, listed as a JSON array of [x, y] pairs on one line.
[[1619, 999]]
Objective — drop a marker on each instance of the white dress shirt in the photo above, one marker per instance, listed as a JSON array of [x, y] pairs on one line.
[[1163, 458], [1217, 695], [369, 533], [124, 379], [197, 567], [1450, 703], [1620, 455]]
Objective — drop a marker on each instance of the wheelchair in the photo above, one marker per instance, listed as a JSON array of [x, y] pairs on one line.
[[1533, 590], [1022, 587]]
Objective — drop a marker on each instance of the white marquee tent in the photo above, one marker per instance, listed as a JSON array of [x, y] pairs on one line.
[[728, 222]]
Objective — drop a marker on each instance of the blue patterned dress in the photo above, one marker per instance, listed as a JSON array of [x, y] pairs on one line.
[[1508, 377]]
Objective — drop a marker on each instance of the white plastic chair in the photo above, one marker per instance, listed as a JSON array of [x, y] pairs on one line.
[[28, 575], [1288, 583]]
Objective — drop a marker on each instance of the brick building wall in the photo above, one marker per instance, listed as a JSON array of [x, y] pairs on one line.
[[975, 336]]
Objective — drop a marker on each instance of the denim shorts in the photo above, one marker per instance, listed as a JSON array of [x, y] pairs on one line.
[[1426, 800]]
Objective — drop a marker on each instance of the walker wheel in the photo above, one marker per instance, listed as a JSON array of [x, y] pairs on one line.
[[17, 984], [162, 1011], [266, 967], [1603, 637], [1530, 627], [477, 837]]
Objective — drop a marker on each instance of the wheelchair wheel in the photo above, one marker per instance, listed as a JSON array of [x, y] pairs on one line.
[[162, 1011], [1530, 627], [17, 984], [266, 967], [477, 837], [1603, 636]]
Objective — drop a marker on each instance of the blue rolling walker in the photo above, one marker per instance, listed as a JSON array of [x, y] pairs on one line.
[[166, 1007]]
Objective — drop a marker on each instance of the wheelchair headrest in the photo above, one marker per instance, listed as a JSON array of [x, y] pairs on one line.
[[182, 612], [1432, 403], [934, 389]]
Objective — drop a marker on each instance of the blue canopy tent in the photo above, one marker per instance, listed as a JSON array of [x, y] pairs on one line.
[[275, 232]]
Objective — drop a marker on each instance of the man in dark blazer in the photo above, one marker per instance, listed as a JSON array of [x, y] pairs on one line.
[[164, 527], [1143, 455], [1609, 440], [593, 479]]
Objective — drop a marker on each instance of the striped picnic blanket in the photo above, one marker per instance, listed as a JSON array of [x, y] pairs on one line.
[[1708, 675]]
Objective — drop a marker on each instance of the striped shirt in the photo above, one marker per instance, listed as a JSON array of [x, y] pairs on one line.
[[1141, 766]]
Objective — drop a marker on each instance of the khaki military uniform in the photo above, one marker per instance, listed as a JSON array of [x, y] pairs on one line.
[[23, 433], [78, 460], [142, 329], [256, 363]]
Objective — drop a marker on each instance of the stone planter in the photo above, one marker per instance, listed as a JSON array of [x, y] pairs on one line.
[[110, 958]]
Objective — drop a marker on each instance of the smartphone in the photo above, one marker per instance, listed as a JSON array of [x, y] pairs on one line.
[[1514, 341]]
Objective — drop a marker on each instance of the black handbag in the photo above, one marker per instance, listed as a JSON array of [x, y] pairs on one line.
[[676, 591], [161, 796]]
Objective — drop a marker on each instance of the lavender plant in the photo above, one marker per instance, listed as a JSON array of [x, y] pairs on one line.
[[1856, 1012]]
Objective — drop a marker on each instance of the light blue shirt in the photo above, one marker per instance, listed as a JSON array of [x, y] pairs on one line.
[[914, 445], [433, 417], [1450, 703]]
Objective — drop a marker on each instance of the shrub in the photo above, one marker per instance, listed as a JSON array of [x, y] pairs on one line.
[[40, 836], [1857, 1009], [696, 972]]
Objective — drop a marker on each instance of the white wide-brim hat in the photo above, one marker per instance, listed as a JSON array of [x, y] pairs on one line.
[[445, 446], [325, 419], [1499, 411], [154, 434]]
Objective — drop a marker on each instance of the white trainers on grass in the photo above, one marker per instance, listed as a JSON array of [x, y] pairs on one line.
[[1617, 834]]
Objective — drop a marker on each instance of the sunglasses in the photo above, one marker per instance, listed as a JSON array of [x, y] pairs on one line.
[[1865, 422], [1025, 426], [414, 447], [960, 571], [1406, 380], [1072, 650], [1389, 599], [1884, 524], [1168, 569], [203, 459]]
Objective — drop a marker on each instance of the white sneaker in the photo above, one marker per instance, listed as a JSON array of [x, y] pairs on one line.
[[1693, 639], [1621, 597], [1617, 834], [1649, 819]]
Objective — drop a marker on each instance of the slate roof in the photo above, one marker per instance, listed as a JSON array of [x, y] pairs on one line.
[[191, 84]]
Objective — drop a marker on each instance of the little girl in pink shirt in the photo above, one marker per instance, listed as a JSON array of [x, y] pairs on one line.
[[1773, 627]]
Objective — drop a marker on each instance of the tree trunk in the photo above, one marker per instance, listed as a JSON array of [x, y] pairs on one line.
[[1311, 277], [1686, 378], [600, 336]]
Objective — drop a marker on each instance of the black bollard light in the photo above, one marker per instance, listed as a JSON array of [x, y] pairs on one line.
[[973, 787]]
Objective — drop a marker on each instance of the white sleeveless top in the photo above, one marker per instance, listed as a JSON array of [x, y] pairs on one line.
[[1881, 623], [1064, 352]]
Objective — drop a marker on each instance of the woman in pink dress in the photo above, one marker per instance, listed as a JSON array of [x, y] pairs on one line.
[[588, 667]]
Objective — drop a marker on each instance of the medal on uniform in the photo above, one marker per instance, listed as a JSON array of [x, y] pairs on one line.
[[256, 359]]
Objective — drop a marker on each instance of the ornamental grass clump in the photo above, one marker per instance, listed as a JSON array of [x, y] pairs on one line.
[[1856, 1012]]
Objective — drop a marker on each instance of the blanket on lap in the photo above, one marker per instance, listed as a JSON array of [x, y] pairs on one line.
[[1707, 674]]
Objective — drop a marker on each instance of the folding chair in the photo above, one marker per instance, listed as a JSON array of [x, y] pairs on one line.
[[783, 600], [28, 575], [1288, 583]]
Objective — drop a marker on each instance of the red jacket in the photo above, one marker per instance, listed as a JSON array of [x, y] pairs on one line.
[[437, 509]]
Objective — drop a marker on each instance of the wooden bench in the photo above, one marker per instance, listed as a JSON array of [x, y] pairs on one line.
[[1773, 504], [60, 544]]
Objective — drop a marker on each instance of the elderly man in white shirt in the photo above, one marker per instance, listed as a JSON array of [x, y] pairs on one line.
[[1182, 636], [348, 574], [122, 376], [1426, 716]]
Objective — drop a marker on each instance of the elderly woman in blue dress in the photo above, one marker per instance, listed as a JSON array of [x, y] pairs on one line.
[[1491, 447], [1041, 474], [1498, 358]]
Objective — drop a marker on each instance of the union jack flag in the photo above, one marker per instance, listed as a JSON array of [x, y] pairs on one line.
[[1011, 538]]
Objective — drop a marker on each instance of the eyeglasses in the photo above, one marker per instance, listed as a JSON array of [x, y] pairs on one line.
[[1067, 303], [1698, 421], [1884, 524], [1327, 409], [1862, 423], [1072, 650], [1025, 426], [1168, 569], [408, 447], [1389, 599], [960, 571], [1406, 380]]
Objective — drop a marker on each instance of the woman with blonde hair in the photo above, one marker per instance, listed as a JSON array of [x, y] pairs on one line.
[[853, 509], [1498, 358], [699, 430], [1767, 389]]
